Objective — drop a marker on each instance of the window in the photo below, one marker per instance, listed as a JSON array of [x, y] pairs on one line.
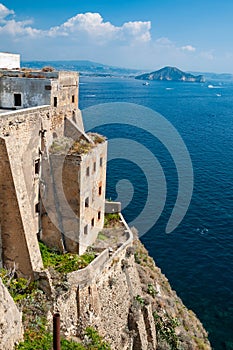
[[37, 166], [92, 222], [73, 117], [99, 215], [55, 101], [72, 98], [37, 208], [17, 100], [87, 202], [86, 230], [88, 171], [100, 190], [101, 161], [94, 166], [48, 87]]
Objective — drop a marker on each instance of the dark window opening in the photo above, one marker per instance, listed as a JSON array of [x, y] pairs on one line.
[[86, 230], [88, 171], [55, 101], [17, 100], [37, 166], [72, 98], [92, 222], [87, 202], [37, 208], [73, 117], [100, 190], [99, 215], [101, 161], [48, 87], [94, 166]]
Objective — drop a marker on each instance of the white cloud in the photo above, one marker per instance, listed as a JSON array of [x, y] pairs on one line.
[[4, 12], [164, 42], [17, 29], [92, 25], [188, 48], [137, 30]]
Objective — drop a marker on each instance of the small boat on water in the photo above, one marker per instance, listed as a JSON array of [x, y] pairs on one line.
[[146, 83]]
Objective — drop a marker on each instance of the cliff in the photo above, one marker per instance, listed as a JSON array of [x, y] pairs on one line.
[[171, 74], [122, 294]]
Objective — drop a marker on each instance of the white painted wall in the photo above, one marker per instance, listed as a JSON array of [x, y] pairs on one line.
[[9, 60]]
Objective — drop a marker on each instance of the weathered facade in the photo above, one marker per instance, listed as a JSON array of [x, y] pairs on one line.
[[55, 194]]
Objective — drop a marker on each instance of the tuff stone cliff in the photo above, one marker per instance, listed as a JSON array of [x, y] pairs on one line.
[[11, 330], [122, 294]]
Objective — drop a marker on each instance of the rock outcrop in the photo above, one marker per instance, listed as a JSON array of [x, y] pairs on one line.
[[11, 330]]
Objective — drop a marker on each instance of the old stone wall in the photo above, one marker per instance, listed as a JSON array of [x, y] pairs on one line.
[[103, 295], [33, 92], [11, 330]]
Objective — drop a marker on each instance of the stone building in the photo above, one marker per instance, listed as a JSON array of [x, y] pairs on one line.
[[52, 174]]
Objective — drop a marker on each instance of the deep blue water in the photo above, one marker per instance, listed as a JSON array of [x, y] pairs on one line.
[[197, 257]]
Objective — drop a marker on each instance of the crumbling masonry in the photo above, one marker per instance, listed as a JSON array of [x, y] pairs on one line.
[[52, 174]]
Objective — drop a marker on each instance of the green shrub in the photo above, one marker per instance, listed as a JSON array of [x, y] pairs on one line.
[[64, 263], [165, 330], [110, 220], [140, 300], [96, 341], [151, 290], [19, 288], [43, 340]]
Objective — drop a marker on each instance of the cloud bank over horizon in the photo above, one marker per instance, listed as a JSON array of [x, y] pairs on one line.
[[89, 36]]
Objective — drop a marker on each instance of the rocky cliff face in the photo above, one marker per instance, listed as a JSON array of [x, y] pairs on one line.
[[11, 330], [131, 304], [122, 294]]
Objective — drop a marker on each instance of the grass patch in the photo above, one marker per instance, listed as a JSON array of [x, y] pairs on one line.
[[19, 288], [43, 340], [64, 263], [102, 237], [111, 220]]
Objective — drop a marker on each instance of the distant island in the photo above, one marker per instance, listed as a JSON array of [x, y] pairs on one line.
[[171, 74]]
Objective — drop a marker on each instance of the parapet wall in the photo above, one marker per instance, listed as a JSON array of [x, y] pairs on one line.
[[9, 60]]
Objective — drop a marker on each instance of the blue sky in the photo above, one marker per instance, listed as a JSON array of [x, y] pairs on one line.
[[192, 35]]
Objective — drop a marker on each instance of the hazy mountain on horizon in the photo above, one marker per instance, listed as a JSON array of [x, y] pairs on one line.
[[171, 74], [86, 67]]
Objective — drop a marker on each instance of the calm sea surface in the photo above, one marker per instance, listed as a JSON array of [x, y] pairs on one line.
[[197, 257]]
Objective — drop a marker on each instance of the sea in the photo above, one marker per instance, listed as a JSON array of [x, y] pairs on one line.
[[197, 256]]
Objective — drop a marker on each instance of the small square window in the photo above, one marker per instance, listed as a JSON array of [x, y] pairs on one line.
[[99, 215], [100, 190], [87, 202], [72, 98], [37, 208], [17, 100], [94, 166], [86, 229], [92, 222], [37, 166], [88, 171], [101, 161]]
